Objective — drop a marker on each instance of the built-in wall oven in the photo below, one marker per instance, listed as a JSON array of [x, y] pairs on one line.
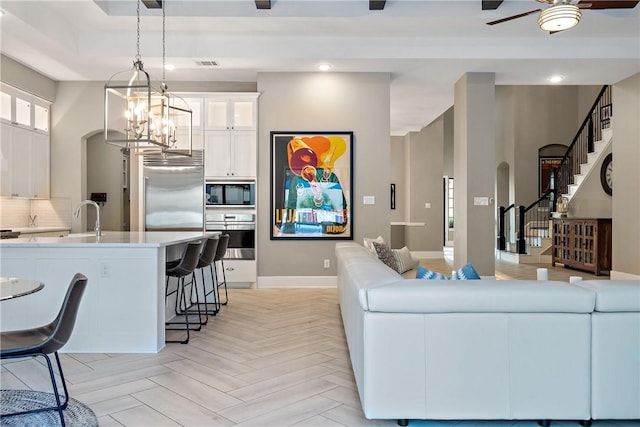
[[241, 228]]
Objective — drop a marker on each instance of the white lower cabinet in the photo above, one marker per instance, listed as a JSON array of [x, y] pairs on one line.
[[239, 271]]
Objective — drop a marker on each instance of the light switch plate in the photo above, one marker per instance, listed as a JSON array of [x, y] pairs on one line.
[[427, 205], [481, 201], [368, 200]]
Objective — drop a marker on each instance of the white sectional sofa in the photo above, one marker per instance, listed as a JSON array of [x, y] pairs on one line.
[[615, 355], [481, 349]]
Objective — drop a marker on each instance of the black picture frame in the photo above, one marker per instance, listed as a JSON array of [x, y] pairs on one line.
[[393, 196], [311, 185]]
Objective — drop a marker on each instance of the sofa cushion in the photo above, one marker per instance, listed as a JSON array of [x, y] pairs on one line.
[[385, 255], [368, 243], [404, 259], [480, 296], [425, 273], [466, 272], [614, 295]]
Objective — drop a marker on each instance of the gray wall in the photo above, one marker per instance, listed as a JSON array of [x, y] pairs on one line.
[[398, 177], [104, 175], [591, 201], [542, 115], [357, 102], [626, 174], [17, 75], [426, 153], [447, 165]]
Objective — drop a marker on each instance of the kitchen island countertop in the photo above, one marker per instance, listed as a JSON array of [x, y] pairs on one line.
[[124, 307], [109, 239]]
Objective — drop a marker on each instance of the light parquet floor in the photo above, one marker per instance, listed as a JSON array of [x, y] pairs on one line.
[[273, 357]]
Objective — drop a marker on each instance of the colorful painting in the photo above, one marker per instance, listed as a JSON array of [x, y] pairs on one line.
[[311, 185]]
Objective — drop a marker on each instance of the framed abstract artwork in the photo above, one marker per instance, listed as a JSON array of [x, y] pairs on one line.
[[311, 185]]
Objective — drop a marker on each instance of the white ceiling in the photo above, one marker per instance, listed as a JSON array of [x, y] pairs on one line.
[[426, 45]]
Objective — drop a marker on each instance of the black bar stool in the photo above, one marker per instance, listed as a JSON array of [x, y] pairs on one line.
[[206, 259], [220, 253], [185, 267]]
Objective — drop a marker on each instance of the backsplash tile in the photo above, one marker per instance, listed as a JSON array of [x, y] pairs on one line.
[[55, 212], [14, 213]]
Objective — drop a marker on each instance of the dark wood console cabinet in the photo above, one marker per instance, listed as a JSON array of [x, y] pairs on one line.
[[583, 244]]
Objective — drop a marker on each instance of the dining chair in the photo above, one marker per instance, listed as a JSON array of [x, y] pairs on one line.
[[44, 340]]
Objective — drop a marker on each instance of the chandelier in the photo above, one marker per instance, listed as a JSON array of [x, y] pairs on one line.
[[141, 118], [559, 17]]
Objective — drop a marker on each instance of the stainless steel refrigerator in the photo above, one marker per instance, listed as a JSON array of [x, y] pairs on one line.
[[174, 192]]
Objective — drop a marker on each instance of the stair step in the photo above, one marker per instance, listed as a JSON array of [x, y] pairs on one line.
[[577, 179], [598, 146], [572, 189], [593, 157]]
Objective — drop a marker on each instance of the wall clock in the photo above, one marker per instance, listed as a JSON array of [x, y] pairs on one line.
[[606, 174]]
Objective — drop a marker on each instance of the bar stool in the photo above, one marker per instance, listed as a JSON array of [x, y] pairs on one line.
[[220, 253], [185, 267], [206, 260]]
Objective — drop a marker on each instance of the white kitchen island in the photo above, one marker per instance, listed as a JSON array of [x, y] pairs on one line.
[[123, 308]]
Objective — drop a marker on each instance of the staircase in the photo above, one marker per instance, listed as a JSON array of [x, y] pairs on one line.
[[600, 149], [533, 223]]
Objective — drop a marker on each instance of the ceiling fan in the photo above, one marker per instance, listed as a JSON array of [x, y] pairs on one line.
[[561, 15]]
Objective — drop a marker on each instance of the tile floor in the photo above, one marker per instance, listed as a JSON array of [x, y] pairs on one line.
[[272, 357]]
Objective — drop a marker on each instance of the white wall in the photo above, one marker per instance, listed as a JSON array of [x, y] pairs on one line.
[[357, 102]]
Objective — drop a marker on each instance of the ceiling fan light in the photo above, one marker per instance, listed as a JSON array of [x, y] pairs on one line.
[[559, 17]]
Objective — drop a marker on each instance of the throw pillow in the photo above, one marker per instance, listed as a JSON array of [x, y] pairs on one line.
[[425, 273], [466, 272], [404, 260], [385, 255], [368, 243]]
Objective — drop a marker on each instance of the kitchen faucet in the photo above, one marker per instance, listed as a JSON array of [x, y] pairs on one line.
[[76, 213]]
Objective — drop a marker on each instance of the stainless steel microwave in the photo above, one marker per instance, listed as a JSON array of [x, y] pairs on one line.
[[231, 193]]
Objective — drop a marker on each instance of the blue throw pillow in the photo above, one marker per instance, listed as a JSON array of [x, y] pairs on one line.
[[466, 272], [425, 273]]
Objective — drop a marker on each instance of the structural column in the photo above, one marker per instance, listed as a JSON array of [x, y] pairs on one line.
[[474, 172]]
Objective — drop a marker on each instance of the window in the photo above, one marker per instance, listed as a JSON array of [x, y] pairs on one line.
[[5, 106]]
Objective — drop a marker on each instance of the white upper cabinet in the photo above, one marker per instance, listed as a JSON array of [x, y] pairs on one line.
[[24, 148], [230, 154], [24, 110], [231, 112], [24, 163]]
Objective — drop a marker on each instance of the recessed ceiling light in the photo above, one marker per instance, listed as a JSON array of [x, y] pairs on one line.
[[556, 79], [324, 67], [170, 67]]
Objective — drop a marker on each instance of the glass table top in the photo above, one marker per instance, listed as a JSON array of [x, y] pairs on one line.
[[12, 287]]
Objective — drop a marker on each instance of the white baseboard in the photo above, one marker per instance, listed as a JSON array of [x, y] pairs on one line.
[[427, 254], [619, 275], [297, 282]]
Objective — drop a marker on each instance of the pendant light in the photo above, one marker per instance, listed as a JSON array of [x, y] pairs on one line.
[[134, 111], [176, 131]]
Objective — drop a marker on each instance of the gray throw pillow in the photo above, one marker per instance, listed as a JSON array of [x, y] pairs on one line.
[[385, 255]]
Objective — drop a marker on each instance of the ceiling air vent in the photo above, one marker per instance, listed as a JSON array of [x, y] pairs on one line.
[[207, 63]]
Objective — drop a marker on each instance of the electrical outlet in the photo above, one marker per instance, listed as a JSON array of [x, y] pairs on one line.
[[104, 270], [327, 263]]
